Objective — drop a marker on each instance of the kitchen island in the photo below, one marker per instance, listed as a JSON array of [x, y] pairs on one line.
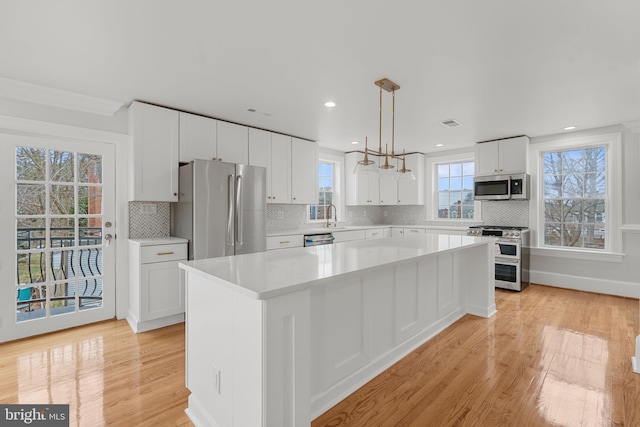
[[277, 338]]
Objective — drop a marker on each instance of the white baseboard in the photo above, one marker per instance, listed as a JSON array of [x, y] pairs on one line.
[[587, 284], [198, 415], [138, 326]]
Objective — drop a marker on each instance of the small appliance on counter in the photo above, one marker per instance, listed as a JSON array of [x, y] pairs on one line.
[[221, 209], [512, 254]]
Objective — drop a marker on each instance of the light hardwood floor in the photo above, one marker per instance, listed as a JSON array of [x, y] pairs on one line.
[[549, 357]]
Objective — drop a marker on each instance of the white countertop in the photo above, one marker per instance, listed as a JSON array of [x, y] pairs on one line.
[[159, 241], [360, 227], [267, 274]]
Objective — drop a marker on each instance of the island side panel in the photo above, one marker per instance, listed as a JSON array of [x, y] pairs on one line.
[[476, 273]]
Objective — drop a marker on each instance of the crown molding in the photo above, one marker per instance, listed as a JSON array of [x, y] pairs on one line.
[[22, 91]]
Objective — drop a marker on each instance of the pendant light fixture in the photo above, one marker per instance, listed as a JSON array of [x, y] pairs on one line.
[[367, 165]]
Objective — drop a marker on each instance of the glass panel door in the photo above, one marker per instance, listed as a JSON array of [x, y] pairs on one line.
[[64, 267]]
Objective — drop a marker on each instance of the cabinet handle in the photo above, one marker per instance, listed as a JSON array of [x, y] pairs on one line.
[[213, 158], [285, 242], [175, 194], [165, 253], [220, 159], [294, 198]]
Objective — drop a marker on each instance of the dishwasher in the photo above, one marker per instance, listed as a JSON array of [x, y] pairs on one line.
[[318, 239]]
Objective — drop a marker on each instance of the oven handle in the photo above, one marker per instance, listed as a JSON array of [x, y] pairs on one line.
[[509, 186]]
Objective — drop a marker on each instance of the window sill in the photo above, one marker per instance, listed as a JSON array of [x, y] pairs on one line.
[[576, 254]]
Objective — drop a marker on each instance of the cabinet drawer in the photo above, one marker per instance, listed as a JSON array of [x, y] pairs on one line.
[[414, 231], [161, 253], [281, 242], [376, 233]]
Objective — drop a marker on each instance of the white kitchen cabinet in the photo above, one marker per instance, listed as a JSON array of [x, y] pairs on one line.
[[411, 192], [154, 153], [281, 171], [409, 232], [285, 241], [374, 233], [232, 143], [397, 232], [198, 137], [272, 151], [348, 235], [361, 189], [502, 156], [304, 172], [388, 189], [156, 289]]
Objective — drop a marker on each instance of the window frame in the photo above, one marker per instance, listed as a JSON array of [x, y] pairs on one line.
[[613, 199], [432, 187], [338, 173]]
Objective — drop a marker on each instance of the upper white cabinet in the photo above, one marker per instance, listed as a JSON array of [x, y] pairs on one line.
[[233, 143], [154, 152], [384, 189], [411, 192], [272, 151], [304, 172], [502, 156], [198, 136], [361, 189]]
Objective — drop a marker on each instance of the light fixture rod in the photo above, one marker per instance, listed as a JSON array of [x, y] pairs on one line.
[[380, 124], [393, 123]]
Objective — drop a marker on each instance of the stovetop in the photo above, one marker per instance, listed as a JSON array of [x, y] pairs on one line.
[[499, 231], [499, 227]]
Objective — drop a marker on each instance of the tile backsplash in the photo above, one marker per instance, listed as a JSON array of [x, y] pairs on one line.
[[149, 220]]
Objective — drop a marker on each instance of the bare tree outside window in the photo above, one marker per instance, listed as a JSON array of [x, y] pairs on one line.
[[575, 198]]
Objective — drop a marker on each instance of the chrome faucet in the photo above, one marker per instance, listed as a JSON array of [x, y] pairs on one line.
[[327, 211]]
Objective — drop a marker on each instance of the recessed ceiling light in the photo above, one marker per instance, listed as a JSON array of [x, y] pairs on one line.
[[329, 104], [355, 142], [570, 128], [439, 145]]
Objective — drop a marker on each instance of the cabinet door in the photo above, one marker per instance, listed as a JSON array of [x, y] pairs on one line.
[[374, 189], [197, 137], [304, 172], [513, 155], [162, 292], [280, 169], [397, 232], [487, 158], [389, 187], [233, 143], [411, 192], [154, 157]]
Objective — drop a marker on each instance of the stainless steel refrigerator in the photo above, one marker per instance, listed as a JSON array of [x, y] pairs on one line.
[[221, 209]]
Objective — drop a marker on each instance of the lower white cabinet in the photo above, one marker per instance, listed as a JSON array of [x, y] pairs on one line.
[[349, 235], [408, 232], [156, 288], [397, 232], [285, 241]]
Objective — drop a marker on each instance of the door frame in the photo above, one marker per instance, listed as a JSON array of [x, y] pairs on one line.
[[54, 131]]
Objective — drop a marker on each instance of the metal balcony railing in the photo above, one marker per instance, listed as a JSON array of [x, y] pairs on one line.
[[76, 271]]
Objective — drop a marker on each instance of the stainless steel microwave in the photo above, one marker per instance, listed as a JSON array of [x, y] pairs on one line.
[[501, 187]]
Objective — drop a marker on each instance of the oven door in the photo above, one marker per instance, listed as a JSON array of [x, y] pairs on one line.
[[508, 248], [508, 274], [492, 188]]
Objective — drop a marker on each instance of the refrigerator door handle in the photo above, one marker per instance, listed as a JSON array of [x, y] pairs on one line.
[[239, 216], [230, 214]]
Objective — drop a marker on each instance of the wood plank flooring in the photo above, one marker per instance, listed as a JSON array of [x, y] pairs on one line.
[[550, 357]]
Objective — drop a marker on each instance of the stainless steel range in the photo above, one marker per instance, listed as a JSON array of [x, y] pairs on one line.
[[512, 254]]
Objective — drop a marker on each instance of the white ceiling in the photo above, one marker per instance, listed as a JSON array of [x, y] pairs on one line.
[[501, 67]]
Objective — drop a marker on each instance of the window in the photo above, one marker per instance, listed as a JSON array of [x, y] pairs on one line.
[[328, 188], [575, 197], [455, 190]]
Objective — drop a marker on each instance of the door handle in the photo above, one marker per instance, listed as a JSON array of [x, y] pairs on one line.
[[230, 194], [239, 213]]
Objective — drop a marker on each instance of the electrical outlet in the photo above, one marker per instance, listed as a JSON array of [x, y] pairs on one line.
[[384, 213], [280, 215], [216, 379]]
